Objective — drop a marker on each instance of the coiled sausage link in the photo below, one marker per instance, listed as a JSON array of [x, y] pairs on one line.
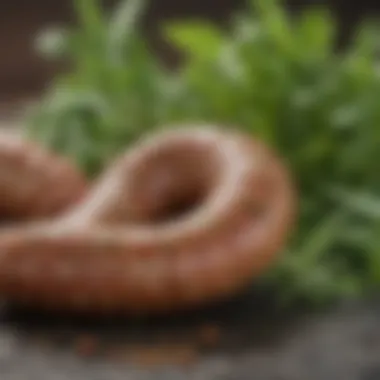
[[186, 216]]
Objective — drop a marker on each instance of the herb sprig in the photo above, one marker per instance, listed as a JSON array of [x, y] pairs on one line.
[[271, 75]]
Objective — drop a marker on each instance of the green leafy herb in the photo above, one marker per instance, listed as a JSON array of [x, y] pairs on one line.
[[272, 75]]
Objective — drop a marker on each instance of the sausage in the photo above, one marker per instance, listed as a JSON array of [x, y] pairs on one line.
[[186, 216], [35, 183]]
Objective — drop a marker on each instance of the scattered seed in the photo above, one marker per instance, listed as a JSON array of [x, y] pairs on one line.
[[210, 335], [87, 345]]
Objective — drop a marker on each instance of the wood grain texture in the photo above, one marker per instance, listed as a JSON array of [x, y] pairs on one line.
[[184, 217]]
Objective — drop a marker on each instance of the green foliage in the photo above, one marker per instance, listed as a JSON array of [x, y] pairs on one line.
[[271, 75]]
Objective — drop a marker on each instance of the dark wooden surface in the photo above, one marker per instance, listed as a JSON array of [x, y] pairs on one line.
[[256, 343]]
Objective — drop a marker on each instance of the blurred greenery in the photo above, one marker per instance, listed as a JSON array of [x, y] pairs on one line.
[[276, 76]]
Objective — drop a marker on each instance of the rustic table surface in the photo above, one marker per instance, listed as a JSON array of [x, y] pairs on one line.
[[254, 343]]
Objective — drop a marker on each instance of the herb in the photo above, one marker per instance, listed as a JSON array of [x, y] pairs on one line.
[[271, 75]]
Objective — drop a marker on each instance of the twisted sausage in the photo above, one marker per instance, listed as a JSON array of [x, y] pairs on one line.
[[185, 217]]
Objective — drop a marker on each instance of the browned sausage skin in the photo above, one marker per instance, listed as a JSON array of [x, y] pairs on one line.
[[35, 183], [121, 250]]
